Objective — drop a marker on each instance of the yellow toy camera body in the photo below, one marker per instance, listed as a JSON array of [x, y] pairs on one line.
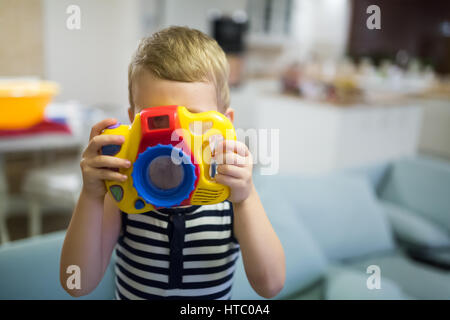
[[171, 150]]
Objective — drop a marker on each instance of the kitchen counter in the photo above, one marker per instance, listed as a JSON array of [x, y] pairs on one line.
[[318, 137]]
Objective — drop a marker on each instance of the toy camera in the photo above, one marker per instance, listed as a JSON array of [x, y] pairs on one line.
[[171, 150]]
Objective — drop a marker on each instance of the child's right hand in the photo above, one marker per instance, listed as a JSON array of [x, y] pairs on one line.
[[96, 167]]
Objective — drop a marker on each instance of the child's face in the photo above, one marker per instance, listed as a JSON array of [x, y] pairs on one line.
[[149, 91]]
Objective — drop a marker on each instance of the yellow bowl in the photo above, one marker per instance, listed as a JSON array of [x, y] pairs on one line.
[[22, 103]]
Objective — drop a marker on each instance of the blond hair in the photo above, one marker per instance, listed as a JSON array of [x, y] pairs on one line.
[[182, 54]]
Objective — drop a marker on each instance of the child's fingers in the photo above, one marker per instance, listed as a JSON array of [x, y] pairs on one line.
[[231, 158], [98, 127], [99, 141], [106, 174], [233, 146], [229, 181], [232, 171], [108, 162]]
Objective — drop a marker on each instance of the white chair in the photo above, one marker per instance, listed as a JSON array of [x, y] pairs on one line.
[[56, 185]]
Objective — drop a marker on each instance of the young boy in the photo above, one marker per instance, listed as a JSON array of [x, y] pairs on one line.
[[183, 252]]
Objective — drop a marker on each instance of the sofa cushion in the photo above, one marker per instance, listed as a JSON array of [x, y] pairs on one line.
[[29, 269], [339, 210], [305, 263], [374, 172]]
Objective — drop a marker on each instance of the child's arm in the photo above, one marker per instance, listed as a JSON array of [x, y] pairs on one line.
[[95, 224], [262, 252]]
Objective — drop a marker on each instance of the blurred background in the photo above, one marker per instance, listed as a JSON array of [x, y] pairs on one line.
[[363, 117]]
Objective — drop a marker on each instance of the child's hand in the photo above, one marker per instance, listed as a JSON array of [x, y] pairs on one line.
[[96, 167], [234, 169]]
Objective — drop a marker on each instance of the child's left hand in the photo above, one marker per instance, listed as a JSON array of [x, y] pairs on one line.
[[234, 169]]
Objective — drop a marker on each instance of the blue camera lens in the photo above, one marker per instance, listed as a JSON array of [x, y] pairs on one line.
[[162, 180]]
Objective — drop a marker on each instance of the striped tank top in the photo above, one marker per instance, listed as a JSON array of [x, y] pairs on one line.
[[177, 253]]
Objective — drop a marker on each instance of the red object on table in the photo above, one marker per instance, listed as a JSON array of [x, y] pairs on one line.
[[46, 126]]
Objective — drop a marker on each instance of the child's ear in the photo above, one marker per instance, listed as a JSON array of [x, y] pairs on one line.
[[229, 113], [131, 114]]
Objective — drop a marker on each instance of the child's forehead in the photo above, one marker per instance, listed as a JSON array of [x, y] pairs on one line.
[[149, 91]]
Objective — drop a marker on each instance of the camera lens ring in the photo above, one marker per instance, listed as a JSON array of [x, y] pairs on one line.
[[150, 192]]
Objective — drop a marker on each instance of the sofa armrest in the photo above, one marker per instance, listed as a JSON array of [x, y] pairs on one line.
[[413, 230], [420, 184]]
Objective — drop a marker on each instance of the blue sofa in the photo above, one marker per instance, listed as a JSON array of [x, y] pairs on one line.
[[333, 227]]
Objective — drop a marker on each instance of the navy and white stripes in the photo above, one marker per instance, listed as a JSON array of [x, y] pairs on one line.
[[177, 253]]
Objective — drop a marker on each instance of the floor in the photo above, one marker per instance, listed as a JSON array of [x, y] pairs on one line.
[[18, 225]]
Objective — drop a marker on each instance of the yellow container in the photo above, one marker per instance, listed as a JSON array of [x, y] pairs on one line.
[[22, 103]]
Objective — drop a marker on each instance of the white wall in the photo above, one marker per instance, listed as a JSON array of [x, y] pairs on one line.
[[91, 63]]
